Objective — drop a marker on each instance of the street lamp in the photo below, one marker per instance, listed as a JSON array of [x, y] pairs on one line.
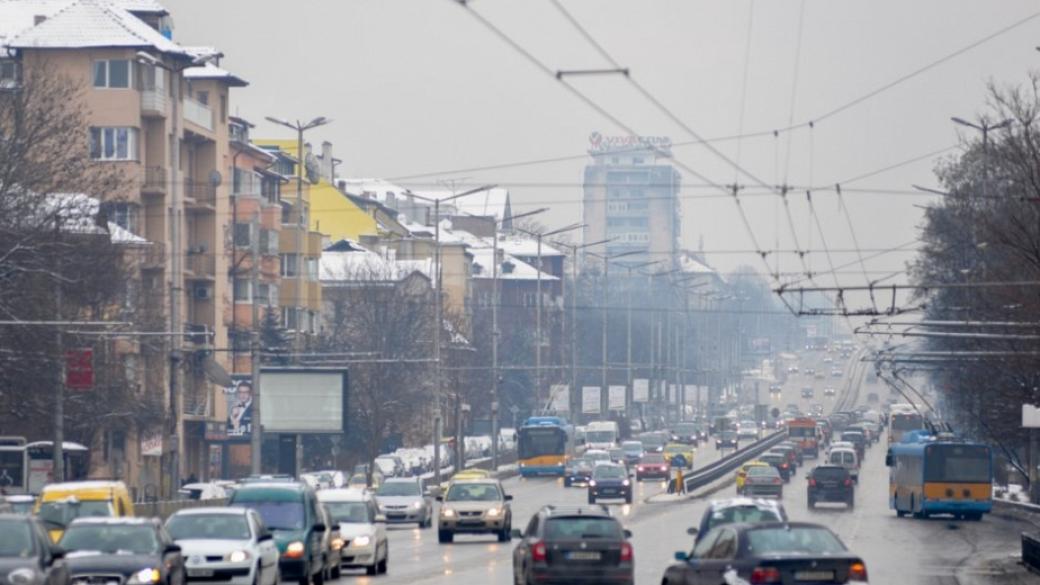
[[628, 326], [607, 258]]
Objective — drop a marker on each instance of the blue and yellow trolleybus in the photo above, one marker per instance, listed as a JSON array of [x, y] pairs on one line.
[[929, 475], [544, 444]]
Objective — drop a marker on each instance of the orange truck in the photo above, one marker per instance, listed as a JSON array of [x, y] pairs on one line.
[[803, 431]]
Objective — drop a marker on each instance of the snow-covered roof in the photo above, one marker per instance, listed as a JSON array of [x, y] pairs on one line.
[[348, 261], [492, 202], [483, 263], [141, 6], [526, 246], [211, 71], [19, 15], [84, 24], [689, 264], [79, 213]]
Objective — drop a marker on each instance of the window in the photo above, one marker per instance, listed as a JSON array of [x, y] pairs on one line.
[[243, 290], [202, 97], [290, 264], [153, 78], [637, 161], [116, 143], [312, 269], [290, 318], [243, 235], [269, 242], [270, 189], [122, 214], [10, 76], [113, 73]]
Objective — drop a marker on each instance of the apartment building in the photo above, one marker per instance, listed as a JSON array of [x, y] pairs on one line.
[[161, 118]]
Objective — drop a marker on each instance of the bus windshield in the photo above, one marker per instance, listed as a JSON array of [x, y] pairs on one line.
[[801, 431], [906, 422], [957, 464], [535, 442], [600, 436]]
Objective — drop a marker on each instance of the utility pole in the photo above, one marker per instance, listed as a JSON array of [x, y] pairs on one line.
[[58, 450], [255, 432]]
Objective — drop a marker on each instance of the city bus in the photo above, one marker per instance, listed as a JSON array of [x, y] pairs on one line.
[[900, 422], [544, 444], [803, 431], [945, 476]]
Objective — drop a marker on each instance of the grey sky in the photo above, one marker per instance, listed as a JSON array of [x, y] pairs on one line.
[[418, 86]]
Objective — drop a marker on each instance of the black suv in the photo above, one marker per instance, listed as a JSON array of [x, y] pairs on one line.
[[610, 481], [146, 553], [573, 544], [831, 483]]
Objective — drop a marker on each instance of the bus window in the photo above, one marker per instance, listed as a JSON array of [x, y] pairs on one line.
[[957, 464]]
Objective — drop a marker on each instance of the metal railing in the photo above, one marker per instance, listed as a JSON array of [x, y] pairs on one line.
[[201, 193], [726, 465], [154, 179], [153, 100], [198, 113]]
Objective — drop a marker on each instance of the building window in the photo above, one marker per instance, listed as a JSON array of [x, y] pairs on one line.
[[243, 235], [113, 143], [270, 189], [202, 97], [243, 290], [269, 242], [112, 73], [290, 264], [10, 74], [122, 214], [290, 318], [312, 269], [637, 161]]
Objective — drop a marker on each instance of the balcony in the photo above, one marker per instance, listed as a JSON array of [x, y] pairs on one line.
[[201, 267], [154, 181], [153, 102], [200, 195], [198, 114], [198, 334], [154, 257]]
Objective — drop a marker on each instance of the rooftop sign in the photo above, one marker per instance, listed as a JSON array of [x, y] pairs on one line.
[[598, 143]]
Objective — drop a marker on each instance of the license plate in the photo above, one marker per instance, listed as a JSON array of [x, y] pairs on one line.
[[200, 572], [584, 556], [814, 575]]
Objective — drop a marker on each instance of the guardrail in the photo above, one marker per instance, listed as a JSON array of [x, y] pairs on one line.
[[722, 467]]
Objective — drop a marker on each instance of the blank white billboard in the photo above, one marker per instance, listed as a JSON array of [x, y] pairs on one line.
[[303, 401]]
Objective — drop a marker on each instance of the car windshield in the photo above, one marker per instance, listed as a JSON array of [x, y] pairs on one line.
[[608, 472], [208, 526], [538, 441], [138, 539], [277, 515], [597, 456], [349, 512], [15, 539], [686, 429], [59, 514], [22, 507], [582, 528], [830, 473], [749, 514], [652, 458], [600, 436], [762, 470], [652, 440], [399, 488], [473, 492], [632, 447], [797, 540], [957, 464]]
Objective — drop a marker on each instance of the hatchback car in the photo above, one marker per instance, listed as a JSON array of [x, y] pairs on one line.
[[633, 451], [610, 482], [145, 552], [779, 462], [27, 554], [830, 483], [577, 470], [652, 466], [475, 506], [741, 474], [763, 480], [688, 433], [846, 458], [775, 552], [362, 529], [573, 545], [789, 453], [402, 501], [808, 392], [230, 545], [738, 510]]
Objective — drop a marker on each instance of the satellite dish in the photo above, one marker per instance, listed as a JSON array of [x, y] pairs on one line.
[[215, 178]]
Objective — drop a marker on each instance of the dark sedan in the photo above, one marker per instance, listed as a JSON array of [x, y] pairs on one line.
[[577, 470], [27, 556], [780, 462], [610, 481], [573, 545], [776, 552], [726, 439], [134, 551]]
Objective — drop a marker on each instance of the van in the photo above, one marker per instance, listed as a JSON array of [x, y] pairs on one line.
[[602, 434], [290, 511], [846, 458], [61, 503]]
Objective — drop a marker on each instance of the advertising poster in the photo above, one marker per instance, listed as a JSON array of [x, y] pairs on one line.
[[640, 390], [590, 399], [616, 397], [239, 398], [560, 398]]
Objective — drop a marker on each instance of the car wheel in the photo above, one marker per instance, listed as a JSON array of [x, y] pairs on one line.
[[372, 570], [305, 581], [258, 576], [445, 536], [385, 563], [319, 577], [592, 499], [852, 502], [811, 503], [566, 482]]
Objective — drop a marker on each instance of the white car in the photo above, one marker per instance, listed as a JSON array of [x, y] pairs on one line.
[[242, 550], [362, 528]]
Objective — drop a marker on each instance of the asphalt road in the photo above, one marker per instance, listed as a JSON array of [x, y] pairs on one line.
[[896, 550]]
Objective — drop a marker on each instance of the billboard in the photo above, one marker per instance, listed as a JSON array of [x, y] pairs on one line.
[[305, 400], [560, 398], [239, 397], [640, 390], [590, 399], [616, 397]]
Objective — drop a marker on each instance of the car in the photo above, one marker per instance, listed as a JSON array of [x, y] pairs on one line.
[[362, 529], [267, 478], [610, 482], [830, 483], [403, 501], [808, 392], [653, 441], [816, 409], [633, 451], [829, 391], [147, 554], [767, 552], [61, 503], [828, 359], [778, 461], [688, 433], [318, 480], [474, 506], [799, 453], [331, 545], [573, 544], [679, 455], [21, 503], [652, 466], [819, 376], [741, 473], [726, 439], [27, 555], [390, 465], [793, 369], [776, 389], [291, 512], [858, 440], [204, 491], [577, 470], [230, 545], [847, 458], [836, 373], [788, 453], [736, 511], [617, 455], [810, 371], [597, 456], [763, 480]]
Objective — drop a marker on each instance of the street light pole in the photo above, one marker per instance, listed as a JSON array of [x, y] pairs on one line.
[[604, 398], [628, 327]]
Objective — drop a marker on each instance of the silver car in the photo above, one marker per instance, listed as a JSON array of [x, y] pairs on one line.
[[402, 501], [763, 480]]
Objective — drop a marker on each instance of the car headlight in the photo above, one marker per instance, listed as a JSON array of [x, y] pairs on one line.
[[294, 550], [337, 543], [417, 505], [592, 483], [493, 512], [238, 556], [23, 576], [145, 576], [361, 541], [626, 483], [447, 512]]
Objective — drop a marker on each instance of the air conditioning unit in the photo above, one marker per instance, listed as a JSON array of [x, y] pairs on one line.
[[203, 291]]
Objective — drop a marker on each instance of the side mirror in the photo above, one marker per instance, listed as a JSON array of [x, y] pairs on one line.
[[888, 460], [516, 533], [380, 519], [57, 552], [319, 527], [335, 527], [627, 533], [509, 498], [439, 498], [264, 537], [692, 531], [172, 549], [681, 556]]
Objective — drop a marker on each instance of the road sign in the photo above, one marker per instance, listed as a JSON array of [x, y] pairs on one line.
[[79, 369]]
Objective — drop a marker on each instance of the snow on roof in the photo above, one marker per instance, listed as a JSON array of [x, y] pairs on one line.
[[492, 202], [211, 71], [90, 23], [690, 264], [141, 6], [511, 269], [362, 264], [19, 15], [526, 246], [79, 215]]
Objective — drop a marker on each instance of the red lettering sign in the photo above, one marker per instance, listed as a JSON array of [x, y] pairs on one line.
[[79, 369]]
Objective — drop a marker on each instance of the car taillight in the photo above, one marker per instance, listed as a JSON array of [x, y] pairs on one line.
[[848, 481], [784, 465], [857, 572], [765, 575], [640, 468], [812, 482], [538, 552], [626, 552], [777, 480]]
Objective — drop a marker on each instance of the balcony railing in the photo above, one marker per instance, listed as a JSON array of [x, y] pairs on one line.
[[198, 114], [154, 180], [203, 265], [153, 101], [154, 257], [201, 193]]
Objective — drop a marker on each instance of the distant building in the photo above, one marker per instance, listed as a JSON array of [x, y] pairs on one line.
[[631, 196]]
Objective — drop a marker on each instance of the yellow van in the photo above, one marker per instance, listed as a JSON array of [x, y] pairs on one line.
[[61, 503]]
